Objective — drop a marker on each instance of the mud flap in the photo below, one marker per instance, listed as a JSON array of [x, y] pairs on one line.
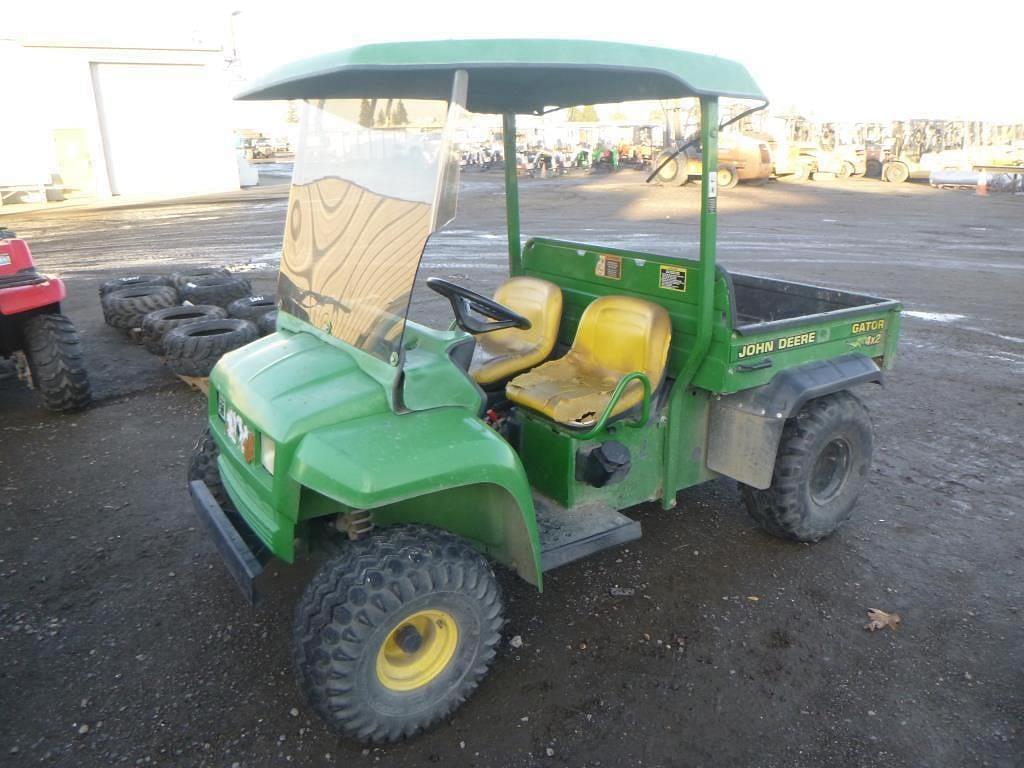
[[745, 427], [243, 565]]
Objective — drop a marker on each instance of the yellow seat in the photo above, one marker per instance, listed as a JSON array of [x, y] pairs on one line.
[[502, 354], [616, 335]]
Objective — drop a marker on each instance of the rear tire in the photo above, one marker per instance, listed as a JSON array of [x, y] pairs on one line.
[[55, 359], [728, 177], [396, 631], [125, 308], [193, 349], [822, 463]]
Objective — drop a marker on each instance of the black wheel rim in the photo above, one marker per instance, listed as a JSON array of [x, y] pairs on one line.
[[831, 469]]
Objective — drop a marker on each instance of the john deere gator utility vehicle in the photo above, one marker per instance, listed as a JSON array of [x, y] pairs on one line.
[[594, 380]]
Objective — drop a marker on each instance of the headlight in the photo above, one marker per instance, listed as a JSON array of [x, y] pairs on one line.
[[267, 450]]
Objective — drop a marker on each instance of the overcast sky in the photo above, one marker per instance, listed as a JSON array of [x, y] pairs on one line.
[[840, 60]]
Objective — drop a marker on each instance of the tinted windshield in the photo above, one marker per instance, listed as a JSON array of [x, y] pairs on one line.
[[373, 178]]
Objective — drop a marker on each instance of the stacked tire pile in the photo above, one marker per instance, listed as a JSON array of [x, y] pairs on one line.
[[191, 319]]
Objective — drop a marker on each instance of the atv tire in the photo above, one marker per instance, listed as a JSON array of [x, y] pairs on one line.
[[178, 279], [55, 360], [126, 307], [157, 324], [132, 281], [194, 348], [267, 322], [216, 289], [251, 307], [396, 631], [822, 463]]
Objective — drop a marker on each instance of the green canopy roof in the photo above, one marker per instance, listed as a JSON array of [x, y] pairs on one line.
[[521, 76]]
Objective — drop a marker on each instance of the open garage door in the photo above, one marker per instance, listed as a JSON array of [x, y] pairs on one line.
[[162, 130]]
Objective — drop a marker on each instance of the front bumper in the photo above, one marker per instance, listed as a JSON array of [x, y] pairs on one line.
[[244, 565]]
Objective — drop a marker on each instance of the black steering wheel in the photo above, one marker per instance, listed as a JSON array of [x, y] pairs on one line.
[[465, 301]]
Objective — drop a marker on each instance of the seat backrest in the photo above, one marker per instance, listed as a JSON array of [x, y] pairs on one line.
[[624, 334], [540, 302]]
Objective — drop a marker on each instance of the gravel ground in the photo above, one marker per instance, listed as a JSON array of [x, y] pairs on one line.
[[123, 641]]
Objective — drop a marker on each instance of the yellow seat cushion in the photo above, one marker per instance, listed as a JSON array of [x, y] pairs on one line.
[[502, 354], [617, 335]]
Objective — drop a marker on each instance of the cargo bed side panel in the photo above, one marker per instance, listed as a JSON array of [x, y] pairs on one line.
[[755, 359]]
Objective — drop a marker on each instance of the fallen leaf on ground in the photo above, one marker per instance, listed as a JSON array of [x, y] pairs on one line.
[[879, 619]]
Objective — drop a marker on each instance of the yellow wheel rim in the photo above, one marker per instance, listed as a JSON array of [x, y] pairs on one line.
[[417, 650]]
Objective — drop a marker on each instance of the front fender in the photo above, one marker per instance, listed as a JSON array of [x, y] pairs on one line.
[[24, 298], [442, 467]]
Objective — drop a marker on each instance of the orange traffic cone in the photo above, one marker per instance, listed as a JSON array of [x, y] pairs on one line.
[[982, 188]]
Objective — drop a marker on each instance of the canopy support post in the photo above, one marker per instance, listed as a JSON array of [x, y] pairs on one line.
[[674, 456], [515, 248]]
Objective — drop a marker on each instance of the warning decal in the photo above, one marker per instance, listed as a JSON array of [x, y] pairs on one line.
[[672, 278], [609, 266]]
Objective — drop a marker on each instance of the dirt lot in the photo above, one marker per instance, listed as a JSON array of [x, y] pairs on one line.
[[124, 641]]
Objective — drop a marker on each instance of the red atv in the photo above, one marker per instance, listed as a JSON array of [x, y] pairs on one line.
[[43, 342]]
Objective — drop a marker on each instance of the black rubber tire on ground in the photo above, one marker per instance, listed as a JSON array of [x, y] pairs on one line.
[[846, 170], [822, 463], [55, 359], [126, 307], [251, 307], [896, 173], [368, 593], [178, 279], [132, 281], [220, 290], [194, 348], [728, 177], [267, 322], [157, 324], [202, 465]]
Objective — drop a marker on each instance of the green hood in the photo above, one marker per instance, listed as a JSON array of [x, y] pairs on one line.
[[287, 384]]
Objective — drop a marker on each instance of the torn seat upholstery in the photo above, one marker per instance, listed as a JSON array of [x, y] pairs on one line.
[[502, 354], [617, 335]]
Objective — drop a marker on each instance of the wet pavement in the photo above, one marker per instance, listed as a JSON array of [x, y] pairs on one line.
[[124, 641]]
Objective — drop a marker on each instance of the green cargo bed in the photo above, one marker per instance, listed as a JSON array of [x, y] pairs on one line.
[[762, 325]]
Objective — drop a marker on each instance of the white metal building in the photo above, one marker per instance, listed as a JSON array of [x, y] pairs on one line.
[[109, 119]]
